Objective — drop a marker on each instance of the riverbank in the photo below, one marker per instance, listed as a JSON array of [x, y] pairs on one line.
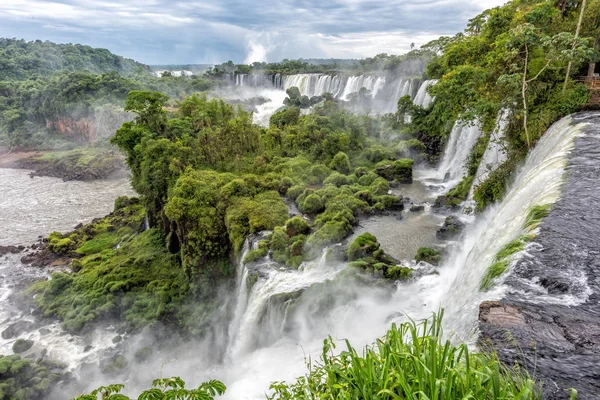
[[84, 164]]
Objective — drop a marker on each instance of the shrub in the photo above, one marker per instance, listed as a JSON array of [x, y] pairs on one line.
[[341, 163], [311, 205], [295, 191], [398, 171], [296, 225], [336, 179]]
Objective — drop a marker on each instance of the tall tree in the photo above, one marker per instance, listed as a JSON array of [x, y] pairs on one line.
[[576, 36]]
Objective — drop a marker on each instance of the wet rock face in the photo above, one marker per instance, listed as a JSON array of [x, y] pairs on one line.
[[549, 321], [452, 227]]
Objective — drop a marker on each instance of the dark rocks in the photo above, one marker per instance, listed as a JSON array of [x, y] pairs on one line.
[[22, 345], [417, 207], [445, 203], [11, 250], [17, 329], [452, 227]]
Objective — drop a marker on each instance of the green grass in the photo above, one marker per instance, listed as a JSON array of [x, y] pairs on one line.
[[412, 361], [505, 254], [535, 216]]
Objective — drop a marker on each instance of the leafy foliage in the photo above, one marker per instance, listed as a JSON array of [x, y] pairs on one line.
[[410, 361], [162, 389]]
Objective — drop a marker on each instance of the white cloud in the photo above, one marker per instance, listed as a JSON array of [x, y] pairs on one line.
[[159, 31]]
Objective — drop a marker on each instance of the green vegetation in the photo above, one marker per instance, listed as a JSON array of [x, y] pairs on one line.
[[207, 178], [428, 255], [162, 389], [84, 163], [364, 252], [20, 59], [56, 96], [410, 361], [22, 379], [511, 56], [505, 256]]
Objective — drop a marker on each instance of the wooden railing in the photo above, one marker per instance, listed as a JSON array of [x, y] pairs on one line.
[[593, 82]]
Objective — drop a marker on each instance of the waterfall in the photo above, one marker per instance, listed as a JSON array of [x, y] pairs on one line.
[[241, 299], [495, 152], [278, 283], [459, 146], [423, 98], [537, 183]]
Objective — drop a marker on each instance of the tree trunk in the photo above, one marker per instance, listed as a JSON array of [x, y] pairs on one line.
[[592, 66], [523, 93], [576, 36]]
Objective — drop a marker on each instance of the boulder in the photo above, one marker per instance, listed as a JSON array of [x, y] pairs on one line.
[[452, 227], [417, 207]]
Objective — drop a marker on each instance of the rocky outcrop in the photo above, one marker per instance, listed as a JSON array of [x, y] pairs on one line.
[[452, 227], [549, 321], [83, 165]]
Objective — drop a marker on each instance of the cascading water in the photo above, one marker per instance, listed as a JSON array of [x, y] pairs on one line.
[[537, 183], [495, 152], [460, 143], [333, 302], [423, 98]]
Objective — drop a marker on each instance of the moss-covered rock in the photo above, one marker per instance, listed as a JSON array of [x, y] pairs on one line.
[[451, 228], [22, 345], [399, 171], [429, 255], [364, 252]]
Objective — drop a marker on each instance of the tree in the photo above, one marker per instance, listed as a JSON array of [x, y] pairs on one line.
[[526, 38], [574, 43]]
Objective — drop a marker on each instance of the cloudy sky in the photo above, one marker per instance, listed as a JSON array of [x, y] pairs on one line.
[[214, 31]]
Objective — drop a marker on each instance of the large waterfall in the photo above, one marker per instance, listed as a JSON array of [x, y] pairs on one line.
[[537, 183], [384, 90]]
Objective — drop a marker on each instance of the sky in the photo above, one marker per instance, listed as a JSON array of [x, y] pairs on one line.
[[215, 31]]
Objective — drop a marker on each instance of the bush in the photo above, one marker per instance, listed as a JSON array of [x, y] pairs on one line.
[[297, 225], [294, 192], [362, 246], [312, 204], [336, 179], [341, 163], [397, 171]]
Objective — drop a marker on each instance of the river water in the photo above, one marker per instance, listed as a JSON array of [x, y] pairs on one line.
[[33, 207]]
